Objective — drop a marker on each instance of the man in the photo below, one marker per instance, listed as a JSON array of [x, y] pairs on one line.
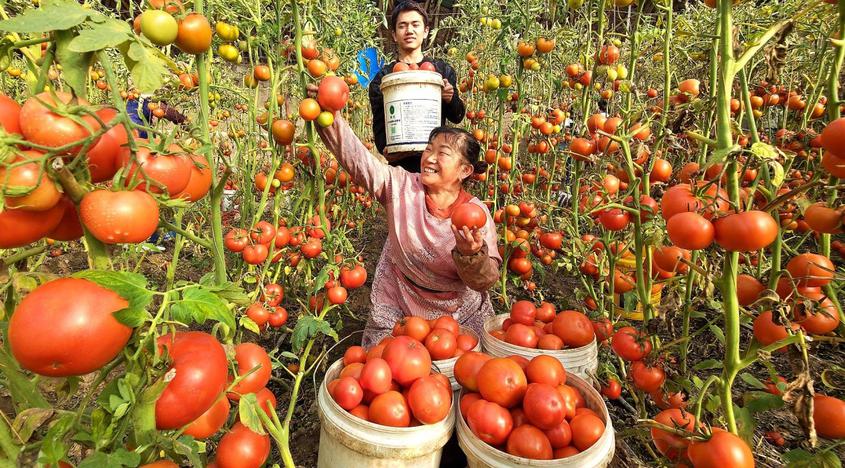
[[409, 27]]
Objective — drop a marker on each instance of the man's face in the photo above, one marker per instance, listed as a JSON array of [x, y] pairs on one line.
[[410, 30]]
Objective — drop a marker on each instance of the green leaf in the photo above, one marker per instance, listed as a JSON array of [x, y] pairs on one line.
[[757, 402], [800, 458], [28, 420], [25, 394], [118, 458], [248, 413], [289, 355], [764, 150], [109, 33], [54, 15], [143, 415], [6, 50], [308, 327], [778, 173], [74, 65], [130, 286], [247, 323], [720, 155], [53, 446], [228, 291], [708, 364], [147, 69], [751, 380], [746, 424], [199, 304], [186, 446], [720, 335]]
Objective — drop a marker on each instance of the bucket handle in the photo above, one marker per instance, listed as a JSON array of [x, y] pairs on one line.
[[325, 354]]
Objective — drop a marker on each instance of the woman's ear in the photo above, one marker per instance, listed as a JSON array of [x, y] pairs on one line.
[[466, 171]]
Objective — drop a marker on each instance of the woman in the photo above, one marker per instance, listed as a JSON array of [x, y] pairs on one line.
[[428, 268]]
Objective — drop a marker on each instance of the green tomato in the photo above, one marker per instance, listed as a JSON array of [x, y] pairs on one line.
[[574, 4], [159, 27], [325, 119], [228, 52]]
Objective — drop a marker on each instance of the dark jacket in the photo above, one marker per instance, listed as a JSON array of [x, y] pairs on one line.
[[454, 110]]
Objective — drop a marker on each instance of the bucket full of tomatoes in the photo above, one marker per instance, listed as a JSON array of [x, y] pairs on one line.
[[387, 410], [444, 338], [568, 336], [412, 107], [512, 413]]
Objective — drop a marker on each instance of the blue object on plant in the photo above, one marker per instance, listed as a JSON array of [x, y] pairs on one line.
[[369, 64]]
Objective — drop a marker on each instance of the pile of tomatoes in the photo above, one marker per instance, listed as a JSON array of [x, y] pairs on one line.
[[540, 327], [442, 336], [525, 407], [392, 384]]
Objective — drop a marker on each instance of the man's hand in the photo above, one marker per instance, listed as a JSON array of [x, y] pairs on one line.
[[448, 91], [468, 242], [311, 89]]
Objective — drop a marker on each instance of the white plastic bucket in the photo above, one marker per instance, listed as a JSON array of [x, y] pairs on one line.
[[481, 455], [447, 366], [412, 108], [346, 440], [579, 361]]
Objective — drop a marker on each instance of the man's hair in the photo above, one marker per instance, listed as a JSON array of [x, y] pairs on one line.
[[403, 6], [466, 143]]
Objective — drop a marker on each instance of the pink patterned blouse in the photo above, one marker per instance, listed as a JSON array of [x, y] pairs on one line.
[[419, 273]]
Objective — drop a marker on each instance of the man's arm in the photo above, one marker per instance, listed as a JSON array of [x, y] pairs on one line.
[[377, 108], [453, 110]]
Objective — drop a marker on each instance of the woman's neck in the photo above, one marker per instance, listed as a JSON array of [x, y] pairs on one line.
[[443, 197]]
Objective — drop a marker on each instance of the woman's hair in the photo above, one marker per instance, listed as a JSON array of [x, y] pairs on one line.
[[466, 143]]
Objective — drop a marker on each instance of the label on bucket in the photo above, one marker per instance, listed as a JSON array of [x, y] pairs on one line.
[[410, 121]]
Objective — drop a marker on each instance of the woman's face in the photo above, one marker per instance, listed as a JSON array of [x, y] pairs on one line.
[[442, 164]]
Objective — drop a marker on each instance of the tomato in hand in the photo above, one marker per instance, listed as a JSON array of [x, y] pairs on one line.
[[333, 93], [469, 215]]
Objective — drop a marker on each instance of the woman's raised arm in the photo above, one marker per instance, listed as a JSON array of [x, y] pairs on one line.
[[362, 166]]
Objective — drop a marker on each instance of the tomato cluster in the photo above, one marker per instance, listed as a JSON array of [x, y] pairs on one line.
[[442, 336], [525, 407], [541, 327], [392, 384], [719, 447]]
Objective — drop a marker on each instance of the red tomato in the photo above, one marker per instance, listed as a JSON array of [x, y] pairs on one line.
[[251, 356], [489, 422], [347, 392], [447, 322], [574, 328], [543, 406], [429, 399], [522, 335], [9, 115], [57, 337], [263, 233], [603, 329], [258, 314], [211, 421], [353, 278], [263, 397], [441, 344], [29, 174], [546, 312], [332, 94], [670, 445], [629, 344], [766, 331], [545, 369], [612, 390], [811, 269], [408, 360], [615, 219], [354, 354], [236, 240], [669, 258], [337, 295], [467, 400], [587, 429], [102, 157], [255, 254], [527, 441], [747, 231], [829, 416], [647, 378], [119, 217], [416, 328], [376, 376], [19, 227], [722, 450], [201, 370], [690, 231], [469, 215], [242, 448], [41, 126], [523, 312], [467, 367], [502, 381], [69, 228], [272, 294], [560, 436], [159, 172], [467, 342], [748, 289], [390, 409]]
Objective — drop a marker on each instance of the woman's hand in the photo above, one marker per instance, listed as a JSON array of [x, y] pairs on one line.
[[468, 241]]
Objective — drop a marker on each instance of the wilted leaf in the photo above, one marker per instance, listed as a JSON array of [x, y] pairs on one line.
[[30, 419], [800, 458]]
